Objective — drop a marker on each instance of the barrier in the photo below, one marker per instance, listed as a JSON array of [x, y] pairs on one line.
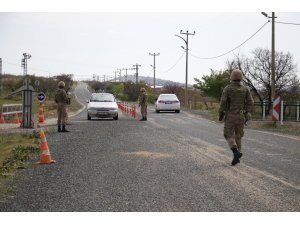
[[275, 114], [41, 115], [2, 120], [17, 120], [125, 107], [45, 157], [8, 109]]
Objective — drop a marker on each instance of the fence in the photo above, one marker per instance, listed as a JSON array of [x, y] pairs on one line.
[[9, 110], [289, 111]]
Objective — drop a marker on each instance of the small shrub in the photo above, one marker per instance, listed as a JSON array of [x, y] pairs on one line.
[[19, 156]]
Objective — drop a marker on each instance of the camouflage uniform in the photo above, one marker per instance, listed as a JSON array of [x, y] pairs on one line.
[[66, 114], [236, 104], [61, 99], [143, 104]]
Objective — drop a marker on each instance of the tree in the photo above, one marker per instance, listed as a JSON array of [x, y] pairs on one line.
[[67, 78], [257, 72], [132, 90], [213, 84]]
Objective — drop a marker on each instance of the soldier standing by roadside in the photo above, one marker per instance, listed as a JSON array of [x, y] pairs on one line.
[[61, 99], [236, 105], [143, 104]]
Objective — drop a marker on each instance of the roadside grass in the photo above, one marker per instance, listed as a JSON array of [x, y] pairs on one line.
[[15, 152], [287, 128]]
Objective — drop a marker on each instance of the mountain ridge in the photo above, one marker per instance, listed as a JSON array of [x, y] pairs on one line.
[[150, 80]]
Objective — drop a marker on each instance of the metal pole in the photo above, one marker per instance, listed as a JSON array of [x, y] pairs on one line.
[[154, 73], [1, 84], [281, 113], [136, 75], [186, 69], [264, 109], [297, 111], [119, 75], [186, 62], [154, 67], [273, 56], [137, 72]]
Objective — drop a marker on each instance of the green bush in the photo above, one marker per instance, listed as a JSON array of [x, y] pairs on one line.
[[18, 158]]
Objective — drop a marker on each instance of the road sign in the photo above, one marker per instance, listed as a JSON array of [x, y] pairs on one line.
[[41, 97], [275, 115], [37, 83]]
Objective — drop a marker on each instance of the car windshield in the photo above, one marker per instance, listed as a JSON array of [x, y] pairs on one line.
[[102, 98], [167, 97]]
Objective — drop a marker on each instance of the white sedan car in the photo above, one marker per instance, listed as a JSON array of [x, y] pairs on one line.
[[167, 102], [102, 105]]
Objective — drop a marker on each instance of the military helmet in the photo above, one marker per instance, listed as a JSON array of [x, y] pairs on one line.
[[236, 75], [61, 84], [143, 90]]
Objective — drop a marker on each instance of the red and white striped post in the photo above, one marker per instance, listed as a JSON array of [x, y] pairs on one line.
[[276, 108]]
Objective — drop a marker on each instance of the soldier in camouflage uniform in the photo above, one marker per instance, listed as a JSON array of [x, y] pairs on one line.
[[236, 105], [143, 104], [61, 99]]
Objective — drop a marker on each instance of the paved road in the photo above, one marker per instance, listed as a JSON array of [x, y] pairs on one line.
[[172, 162]]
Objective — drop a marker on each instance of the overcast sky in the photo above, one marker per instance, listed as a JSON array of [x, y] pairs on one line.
[[99, 43]]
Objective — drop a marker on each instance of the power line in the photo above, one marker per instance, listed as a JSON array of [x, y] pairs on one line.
[[218, 56], [173, 65], [288, 23]]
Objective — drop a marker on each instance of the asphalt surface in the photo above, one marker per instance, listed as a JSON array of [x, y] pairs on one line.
[[172, 162]]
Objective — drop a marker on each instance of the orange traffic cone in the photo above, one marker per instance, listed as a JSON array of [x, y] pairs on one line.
[[45, 157], [134, 111], [17, 120], [2, 120], [130, 110], [41, 114]]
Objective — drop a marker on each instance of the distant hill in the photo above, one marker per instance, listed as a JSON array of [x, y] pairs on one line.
[[149, 81]]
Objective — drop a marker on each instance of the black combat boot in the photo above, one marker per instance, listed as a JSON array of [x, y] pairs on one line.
[[236, 156], [143, 118], [64, 129], [58, 128]]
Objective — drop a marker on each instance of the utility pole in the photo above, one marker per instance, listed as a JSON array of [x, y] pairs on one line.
[[186, 62], [24, 62], [1, 85], [272, 54], [136, 67], [115, 76], [120, 70], [126, 74], [154, 54]]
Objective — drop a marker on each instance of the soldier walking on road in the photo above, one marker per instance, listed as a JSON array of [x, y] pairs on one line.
[[143, 104], [236, 105], [61, 99]]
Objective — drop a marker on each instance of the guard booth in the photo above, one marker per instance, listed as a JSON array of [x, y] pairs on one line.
[[27, 101]]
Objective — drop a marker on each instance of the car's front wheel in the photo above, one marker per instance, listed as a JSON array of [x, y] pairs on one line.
[[88, 117], [116, 117], [177, 111], [157, 111]]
